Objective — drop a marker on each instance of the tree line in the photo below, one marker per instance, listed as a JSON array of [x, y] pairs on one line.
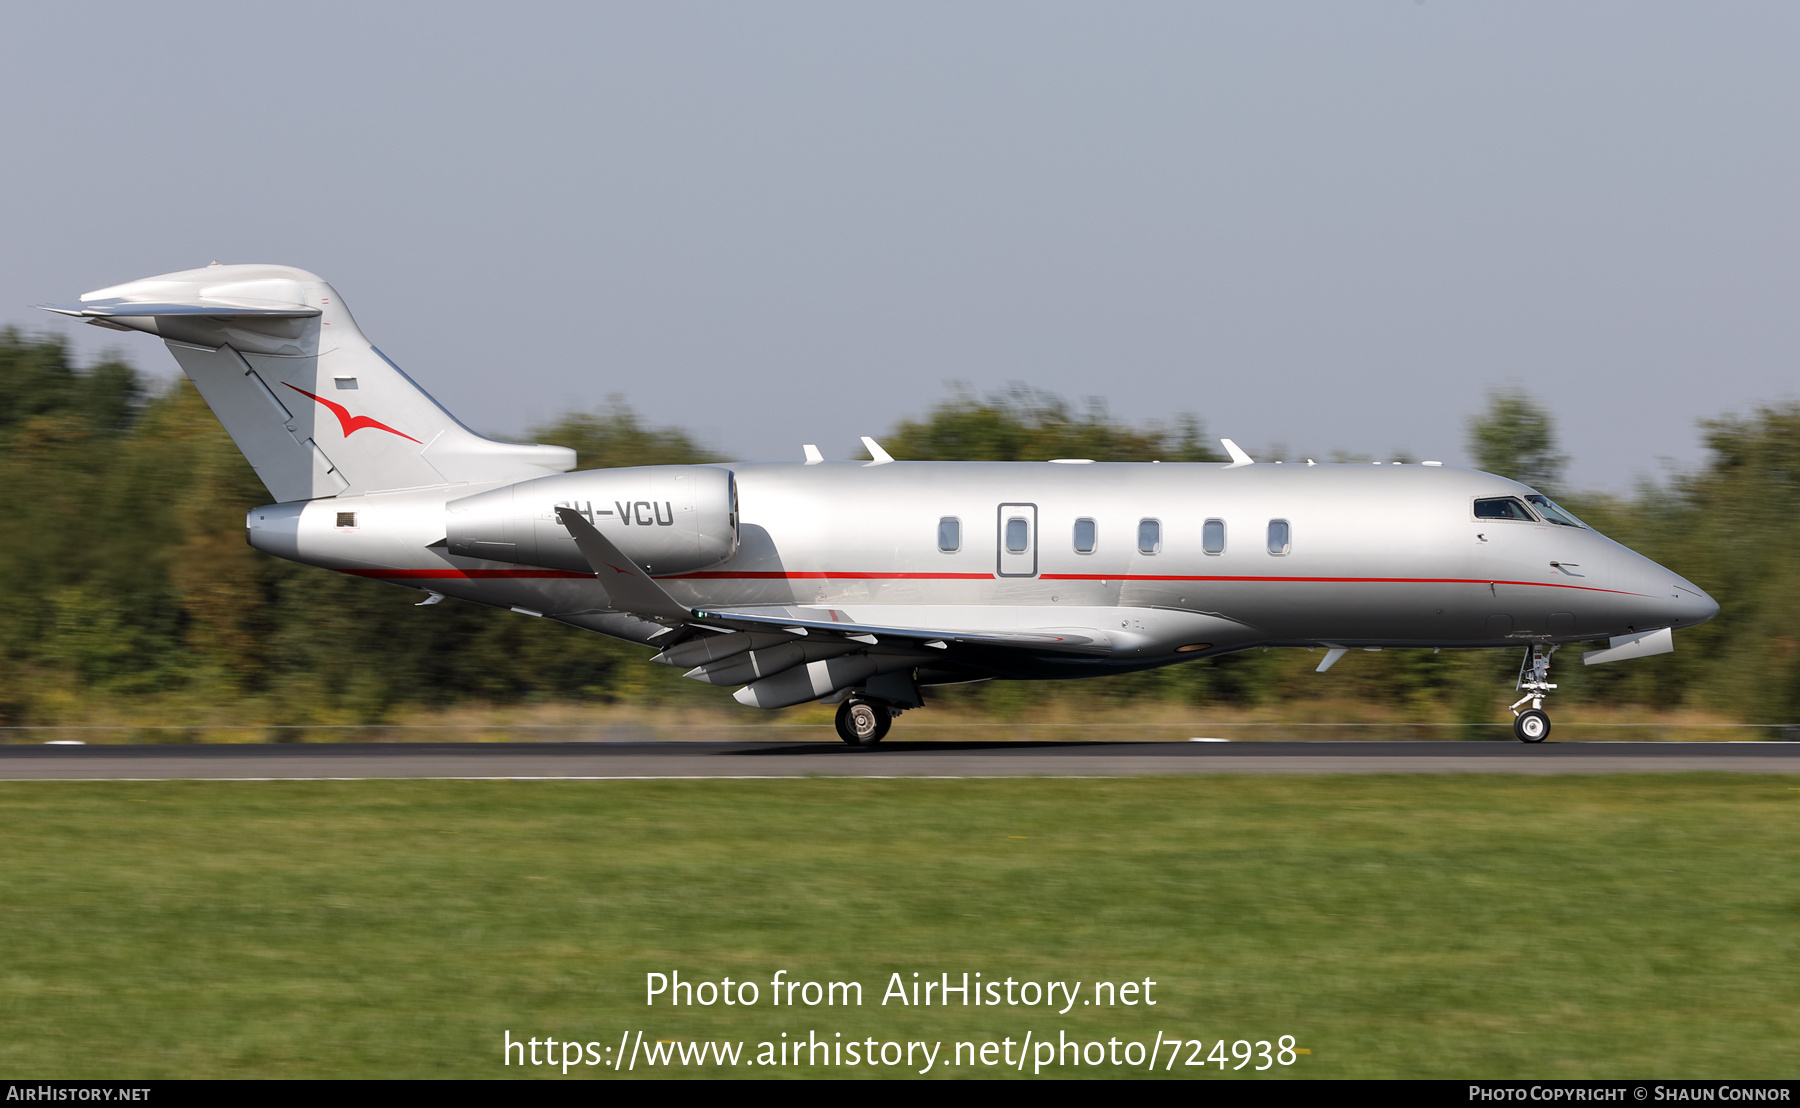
[[129, 592]]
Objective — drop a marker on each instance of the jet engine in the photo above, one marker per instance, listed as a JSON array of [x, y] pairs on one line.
[[667, 519]]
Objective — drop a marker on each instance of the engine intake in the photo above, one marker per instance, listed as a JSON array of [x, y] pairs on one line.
[[667, 519]]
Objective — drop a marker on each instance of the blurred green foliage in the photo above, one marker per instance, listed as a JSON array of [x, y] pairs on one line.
[[613, 436], [1026, 425], [128, 577], [1516, 437], [129, 591]]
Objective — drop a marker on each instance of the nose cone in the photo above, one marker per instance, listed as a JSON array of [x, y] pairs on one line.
[[1671, 599], [1704, 607]]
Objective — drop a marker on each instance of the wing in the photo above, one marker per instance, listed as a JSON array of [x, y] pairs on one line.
[[806, 621], [632, 590], [789, 655]]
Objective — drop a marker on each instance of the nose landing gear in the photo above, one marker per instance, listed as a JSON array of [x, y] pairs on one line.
[[863, 722], [1533, 724]]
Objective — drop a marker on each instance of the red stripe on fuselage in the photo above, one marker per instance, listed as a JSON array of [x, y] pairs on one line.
[[777, 575], [1337, 581], [464, 574]]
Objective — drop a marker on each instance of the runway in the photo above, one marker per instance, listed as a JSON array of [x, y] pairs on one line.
[[751, 760]]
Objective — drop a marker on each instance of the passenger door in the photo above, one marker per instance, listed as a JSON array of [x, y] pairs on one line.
[[1016, 540]]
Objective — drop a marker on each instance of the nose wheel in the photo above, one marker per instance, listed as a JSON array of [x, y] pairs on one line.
[[1533, 725], [863, 722]]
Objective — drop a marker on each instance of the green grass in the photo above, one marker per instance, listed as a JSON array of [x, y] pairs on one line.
[[1453, 926]]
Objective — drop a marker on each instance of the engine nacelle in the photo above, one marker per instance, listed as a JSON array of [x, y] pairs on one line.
[[667, 519]]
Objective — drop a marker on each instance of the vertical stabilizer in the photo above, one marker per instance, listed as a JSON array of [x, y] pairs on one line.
[[316, 408]]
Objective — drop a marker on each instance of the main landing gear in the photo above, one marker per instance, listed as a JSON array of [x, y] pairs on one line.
[[863, 722], [1533, 725]]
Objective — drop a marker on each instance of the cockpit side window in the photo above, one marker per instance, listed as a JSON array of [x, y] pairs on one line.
[[1554, 512], [1503, 507]]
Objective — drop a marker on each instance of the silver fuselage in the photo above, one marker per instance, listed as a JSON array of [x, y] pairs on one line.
[[1377, 555]]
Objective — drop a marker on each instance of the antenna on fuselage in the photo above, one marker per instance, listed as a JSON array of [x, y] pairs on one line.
[[1238, 457], [881, 456]]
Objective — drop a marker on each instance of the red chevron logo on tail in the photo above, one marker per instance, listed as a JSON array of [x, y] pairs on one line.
[[350, 423]]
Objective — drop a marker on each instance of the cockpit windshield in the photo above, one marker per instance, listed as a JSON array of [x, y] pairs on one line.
[[1503, 507], [1554, 512]]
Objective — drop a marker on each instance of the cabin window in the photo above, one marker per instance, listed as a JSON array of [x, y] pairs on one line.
[[949, 534], [346, 519], [1278, 536], [1503, 507], [1553, 512], [1085, 533], [1018, 535], [1149, 536], [1212, 536]]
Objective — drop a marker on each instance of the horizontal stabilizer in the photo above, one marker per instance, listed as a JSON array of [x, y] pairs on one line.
[[199, 306], [315, 408], [1620, 648]]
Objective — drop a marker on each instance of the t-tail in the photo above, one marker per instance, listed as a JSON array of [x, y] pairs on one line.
[[316, 408]]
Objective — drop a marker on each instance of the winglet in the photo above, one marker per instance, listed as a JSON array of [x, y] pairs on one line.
[[1238, 457], [629, 588], [881, 456]]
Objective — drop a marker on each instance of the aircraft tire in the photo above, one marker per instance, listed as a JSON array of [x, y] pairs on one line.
[[861, 722], [1531, 726]]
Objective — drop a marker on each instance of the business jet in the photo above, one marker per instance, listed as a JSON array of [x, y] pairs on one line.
[[861, 583]]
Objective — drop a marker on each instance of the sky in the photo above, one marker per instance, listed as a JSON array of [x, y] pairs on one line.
[[1317, 227]]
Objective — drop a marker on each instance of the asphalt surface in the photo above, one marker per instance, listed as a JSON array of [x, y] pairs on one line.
[[634, 761]]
